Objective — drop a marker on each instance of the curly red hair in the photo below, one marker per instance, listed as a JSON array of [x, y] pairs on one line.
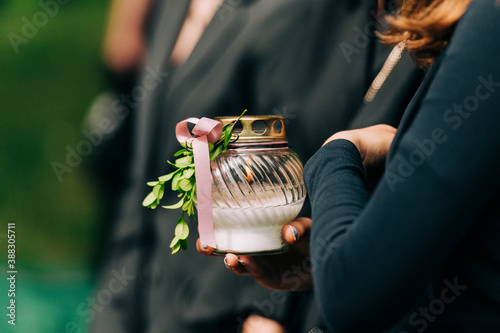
[[425, 26]]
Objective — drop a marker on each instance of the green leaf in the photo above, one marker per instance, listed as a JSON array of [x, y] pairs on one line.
[[152, 183], [210, 146], [228, 133], [183, 162], [185, 184], [158, 191], [166, 178], [216, 152], [188, 173], [175, 206], [173, 242], [181, 229], [241, 115], [175, 181], [187, 205], [228, 130], [184, 244], [150, 198], [180, 152], [193, 195], [176, 248]]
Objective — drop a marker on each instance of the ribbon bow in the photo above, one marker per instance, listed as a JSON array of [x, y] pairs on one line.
[[205, 130]]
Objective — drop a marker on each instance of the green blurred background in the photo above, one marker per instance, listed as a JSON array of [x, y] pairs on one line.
[[46, 88]]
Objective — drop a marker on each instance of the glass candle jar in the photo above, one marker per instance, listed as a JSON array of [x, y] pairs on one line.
[[257, 187]]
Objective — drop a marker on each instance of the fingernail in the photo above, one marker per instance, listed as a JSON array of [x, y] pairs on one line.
[[204, 246], [226, 263], [294, 232]]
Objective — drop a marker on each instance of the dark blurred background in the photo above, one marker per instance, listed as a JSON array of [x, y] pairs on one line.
[[50, 71]]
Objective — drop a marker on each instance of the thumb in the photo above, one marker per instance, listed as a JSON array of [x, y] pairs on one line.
[[296, 230]]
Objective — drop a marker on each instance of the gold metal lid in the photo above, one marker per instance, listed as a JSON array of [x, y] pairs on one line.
[[257, 128]]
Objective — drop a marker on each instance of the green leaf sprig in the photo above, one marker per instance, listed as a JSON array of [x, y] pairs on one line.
[[184, 182]]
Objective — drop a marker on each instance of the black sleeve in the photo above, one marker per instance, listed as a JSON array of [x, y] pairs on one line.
[[373, 258]]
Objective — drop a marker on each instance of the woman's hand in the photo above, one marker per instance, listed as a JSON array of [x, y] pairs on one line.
[[372, 142], [287, 271]]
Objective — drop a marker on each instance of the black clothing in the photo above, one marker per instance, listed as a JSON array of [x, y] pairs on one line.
[[423, 253]]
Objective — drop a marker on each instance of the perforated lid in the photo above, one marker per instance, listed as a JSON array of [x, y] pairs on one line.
[[257, 128]]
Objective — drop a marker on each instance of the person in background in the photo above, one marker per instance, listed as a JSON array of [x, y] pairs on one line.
[[422, 253], [123, 56], [206, 58]]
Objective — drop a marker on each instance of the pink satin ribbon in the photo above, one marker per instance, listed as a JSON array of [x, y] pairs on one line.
[[205, 130]]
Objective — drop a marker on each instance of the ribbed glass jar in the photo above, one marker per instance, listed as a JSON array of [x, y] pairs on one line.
[[257, 187]]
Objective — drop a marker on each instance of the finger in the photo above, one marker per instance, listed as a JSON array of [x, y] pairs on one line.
[[387, 128], [296, 230], [204, 249], [234, 264], [258, 324], [255, 268]]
